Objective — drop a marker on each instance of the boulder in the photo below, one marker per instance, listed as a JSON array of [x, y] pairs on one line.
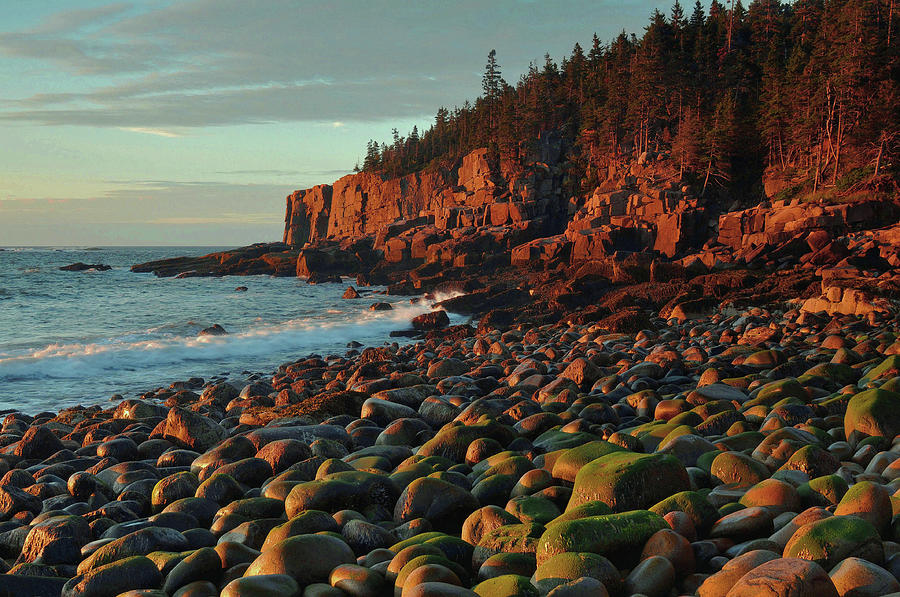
[[431, 321], [785, 576], [629, 481]]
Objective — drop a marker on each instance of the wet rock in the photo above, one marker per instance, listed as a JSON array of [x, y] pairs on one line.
[[114, 578], [855, 577], [14, 501], [785, 576], [431, 321], [260, 585], [81, 267], [213, 330], [38, 442], [305, 558], [443, 504], [57, 540], [202, 565], [192, 430], [139, 542], [653, 577]]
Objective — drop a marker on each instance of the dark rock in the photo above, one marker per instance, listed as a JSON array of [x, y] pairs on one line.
[[213, 330], [81, 267], [431, 321]]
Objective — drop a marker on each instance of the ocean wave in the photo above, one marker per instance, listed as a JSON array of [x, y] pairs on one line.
[[290, 339]]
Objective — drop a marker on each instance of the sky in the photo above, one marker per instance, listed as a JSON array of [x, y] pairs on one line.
[[188, 122]]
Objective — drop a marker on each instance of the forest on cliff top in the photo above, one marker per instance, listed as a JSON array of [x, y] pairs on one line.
[[805, 92]]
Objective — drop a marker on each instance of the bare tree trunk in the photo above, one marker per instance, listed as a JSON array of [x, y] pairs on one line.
[[840, 140], [781, 150], [730, 24], [890, 22], [818, 164], [878, 157], [706, 180]]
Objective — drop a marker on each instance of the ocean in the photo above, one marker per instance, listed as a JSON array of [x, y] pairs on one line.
[[70, 338]]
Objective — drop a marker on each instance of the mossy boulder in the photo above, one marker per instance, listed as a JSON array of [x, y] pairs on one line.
[[305, 558], [484, 520], [628, 481], [572, 460], [873, 412], [443, 504], [826, 490], [838, 373], [453, 439], [776, 391], [262, 585], [350, 490], [508, 585], [701, 512], [511, 538], [830, 540], [568, 566], [499, 564], [871, 502], [888, 368], [775, 495], [736, 468], [619, 537], [532, 508], [172, 488], [594, 508]]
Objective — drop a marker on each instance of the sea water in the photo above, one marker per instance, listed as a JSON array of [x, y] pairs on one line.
[[71, 338]]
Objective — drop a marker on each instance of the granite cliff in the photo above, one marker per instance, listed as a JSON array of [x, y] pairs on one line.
[[511, 238]]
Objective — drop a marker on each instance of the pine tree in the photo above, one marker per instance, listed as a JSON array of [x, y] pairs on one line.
[[491, 84], [808, 87], [372, 159], [686, 145]]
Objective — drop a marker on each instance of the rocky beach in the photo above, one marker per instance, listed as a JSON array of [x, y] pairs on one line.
[[718, 421], [667, 398], [745, 452], [629, 327]]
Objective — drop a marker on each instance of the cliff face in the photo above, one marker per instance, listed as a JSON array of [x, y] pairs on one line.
[[307, 215], [476, 193]]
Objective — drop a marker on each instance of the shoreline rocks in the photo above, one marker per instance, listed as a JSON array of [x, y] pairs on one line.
[[740, 452]]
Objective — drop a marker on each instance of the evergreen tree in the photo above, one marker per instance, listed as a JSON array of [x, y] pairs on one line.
[[807, 89], [491, 84]]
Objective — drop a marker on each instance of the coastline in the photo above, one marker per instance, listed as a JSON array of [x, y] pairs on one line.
[[702, 434]]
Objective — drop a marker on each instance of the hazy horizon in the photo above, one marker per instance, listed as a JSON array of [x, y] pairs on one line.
[[187, 123]]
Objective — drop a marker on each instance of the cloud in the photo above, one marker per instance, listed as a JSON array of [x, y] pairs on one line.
[[197, 63], [149, 131], [294, 173]]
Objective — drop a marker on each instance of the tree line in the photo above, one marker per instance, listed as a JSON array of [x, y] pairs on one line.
[[806, 89]]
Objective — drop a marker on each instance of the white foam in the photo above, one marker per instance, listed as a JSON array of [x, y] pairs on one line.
[[137, 352]]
